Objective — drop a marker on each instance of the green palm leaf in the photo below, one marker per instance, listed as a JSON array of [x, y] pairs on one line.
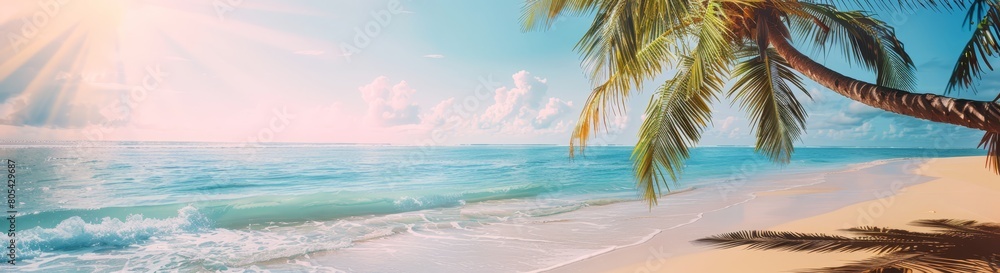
[[628, 42], [681, 110], [764, 86], [674, 122], [541, 14], [984, 15], [865, 40], [611, 95]]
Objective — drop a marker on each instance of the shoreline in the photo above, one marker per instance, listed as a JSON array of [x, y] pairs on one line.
[[853, 167], [554, 242], [643, 256]]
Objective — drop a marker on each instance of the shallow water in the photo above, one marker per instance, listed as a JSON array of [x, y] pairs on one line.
[[304, 207]]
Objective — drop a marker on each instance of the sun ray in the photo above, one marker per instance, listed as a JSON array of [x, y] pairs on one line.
[[122, 38]]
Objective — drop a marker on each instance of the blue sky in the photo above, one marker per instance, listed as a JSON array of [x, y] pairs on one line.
[[402, 72]]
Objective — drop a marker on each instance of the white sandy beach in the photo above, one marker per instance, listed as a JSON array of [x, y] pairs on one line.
[[945, 188]]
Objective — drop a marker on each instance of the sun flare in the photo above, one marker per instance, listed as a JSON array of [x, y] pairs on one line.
[[90, 53]]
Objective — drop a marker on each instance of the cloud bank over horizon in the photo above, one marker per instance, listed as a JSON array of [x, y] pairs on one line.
[[521, 107]]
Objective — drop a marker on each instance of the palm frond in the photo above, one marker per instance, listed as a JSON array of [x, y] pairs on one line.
[[865, 40], [984, 15], [681, 110], [991, 142], [919, 262], [898, 234], [898, 5], [764, 87], [541, 14], [609, 96], [955, 246], [711, 57], [807, 242], [674, 122], [627, 43], [622, 27], [964, 226]]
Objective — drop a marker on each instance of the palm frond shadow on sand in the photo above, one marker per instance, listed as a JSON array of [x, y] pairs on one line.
[[951, 246]]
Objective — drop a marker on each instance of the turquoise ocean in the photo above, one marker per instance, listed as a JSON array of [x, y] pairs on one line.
[[208, 207]]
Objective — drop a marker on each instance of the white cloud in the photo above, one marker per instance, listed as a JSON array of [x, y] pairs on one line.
[[618, 124], [434, 56], [553, 110], [443, 116], [726, 123], [735, 133], [725, 130], [310, 52], [858, 132], [520, 109], [524, 107], [818, 96], [389, 105], [852, 115], [11, 107]]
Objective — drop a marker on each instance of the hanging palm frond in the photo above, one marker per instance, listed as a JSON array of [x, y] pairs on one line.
[[991, 142], [674, 122], [764, 86], [681, 110], [609, 96], [984, 17], [864, 39]]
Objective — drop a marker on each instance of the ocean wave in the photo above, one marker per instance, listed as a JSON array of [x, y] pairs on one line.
[[75, 233], [293, 209], [186, 242], [346, 220]]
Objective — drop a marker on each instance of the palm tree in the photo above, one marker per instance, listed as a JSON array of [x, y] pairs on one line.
[[954, 246], [712, 41]]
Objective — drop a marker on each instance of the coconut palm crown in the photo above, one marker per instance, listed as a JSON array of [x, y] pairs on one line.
[[710, 42]]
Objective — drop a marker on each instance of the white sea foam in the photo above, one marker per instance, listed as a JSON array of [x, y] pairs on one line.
[[75, 233]]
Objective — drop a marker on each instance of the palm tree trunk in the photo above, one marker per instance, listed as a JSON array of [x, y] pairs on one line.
[[982, 115]]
